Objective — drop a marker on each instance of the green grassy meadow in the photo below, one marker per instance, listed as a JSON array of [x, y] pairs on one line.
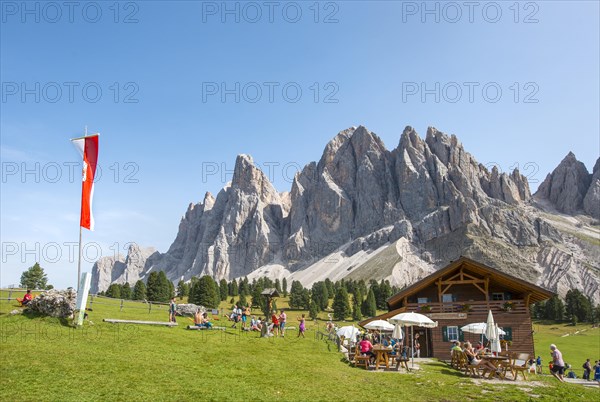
[[45, 359]]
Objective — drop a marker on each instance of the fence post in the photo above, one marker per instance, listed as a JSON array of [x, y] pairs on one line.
[[9, 296], [121, 309], [149, 307], [91, 301]]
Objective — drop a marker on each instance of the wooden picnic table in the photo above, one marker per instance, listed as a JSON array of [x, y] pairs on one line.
[[495, 360], [382, 355]]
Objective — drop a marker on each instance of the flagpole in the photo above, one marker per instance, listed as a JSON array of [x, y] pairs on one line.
[[79, 262], [80, 234]]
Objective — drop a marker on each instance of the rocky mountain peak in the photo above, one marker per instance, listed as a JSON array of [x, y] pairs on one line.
[[249, 179], [209, 201], [411, 139], [356, 143], [591, 202], [443, 145], [566, 187]]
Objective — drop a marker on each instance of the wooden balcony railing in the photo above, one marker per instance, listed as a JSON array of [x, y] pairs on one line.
[[497, 307]]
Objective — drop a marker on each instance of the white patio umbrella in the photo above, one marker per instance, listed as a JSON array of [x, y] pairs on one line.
[[409, 319], [412, 319], [348, 332], [380, 325], [479, 328]]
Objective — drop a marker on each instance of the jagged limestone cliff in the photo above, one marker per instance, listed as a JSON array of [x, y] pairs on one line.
[[424, 203]]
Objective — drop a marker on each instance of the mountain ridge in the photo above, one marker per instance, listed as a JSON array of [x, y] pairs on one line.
[[428, 194]]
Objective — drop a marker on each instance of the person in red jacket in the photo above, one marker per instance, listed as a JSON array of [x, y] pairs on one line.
[[275, 322], [26, 299]]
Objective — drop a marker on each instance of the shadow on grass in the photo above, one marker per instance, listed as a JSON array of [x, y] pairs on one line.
[[445, 369], [454, 373], [37, 316]]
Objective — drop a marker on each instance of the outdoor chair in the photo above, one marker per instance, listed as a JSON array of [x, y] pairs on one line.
[[519, 365], [505, 366], [402, 361], [462, 362], [472, 369], [455, 359], [361, 360]]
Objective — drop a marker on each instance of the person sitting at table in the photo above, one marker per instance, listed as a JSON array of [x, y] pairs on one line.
[[366, 347], [402, 350], [479, 348], [472, 358], [393, 343], [376, 337], [456, 347], [386, 341]]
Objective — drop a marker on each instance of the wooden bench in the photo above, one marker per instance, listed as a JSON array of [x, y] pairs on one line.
[[360, 360], [165, 323], [402, 361], [195, 327]]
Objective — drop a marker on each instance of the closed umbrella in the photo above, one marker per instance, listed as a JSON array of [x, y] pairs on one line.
[[490, 329], [397, 333], [495, 343], [491, 333]]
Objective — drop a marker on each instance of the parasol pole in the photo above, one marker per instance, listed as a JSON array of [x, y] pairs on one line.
[[412, 345]]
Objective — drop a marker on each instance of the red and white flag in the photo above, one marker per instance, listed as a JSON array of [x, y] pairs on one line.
[[88, 147]]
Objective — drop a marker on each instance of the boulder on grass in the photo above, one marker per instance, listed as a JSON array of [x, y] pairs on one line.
[[189, 309], [54, 303]]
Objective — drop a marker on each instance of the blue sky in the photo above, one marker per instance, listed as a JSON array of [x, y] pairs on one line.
[[169, 133]]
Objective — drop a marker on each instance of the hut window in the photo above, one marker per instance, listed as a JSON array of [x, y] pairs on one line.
[[422, 300], [448, 298], [453, 333], [497, 296]]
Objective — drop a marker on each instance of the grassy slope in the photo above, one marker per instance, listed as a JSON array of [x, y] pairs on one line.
[[575, 347], [41, 359]]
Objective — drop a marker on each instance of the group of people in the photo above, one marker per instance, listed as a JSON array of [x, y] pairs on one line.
[[201, 320], [250, 322], [588, 368], [276, 327], [474, 355], [371, 338], [239, 314]]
